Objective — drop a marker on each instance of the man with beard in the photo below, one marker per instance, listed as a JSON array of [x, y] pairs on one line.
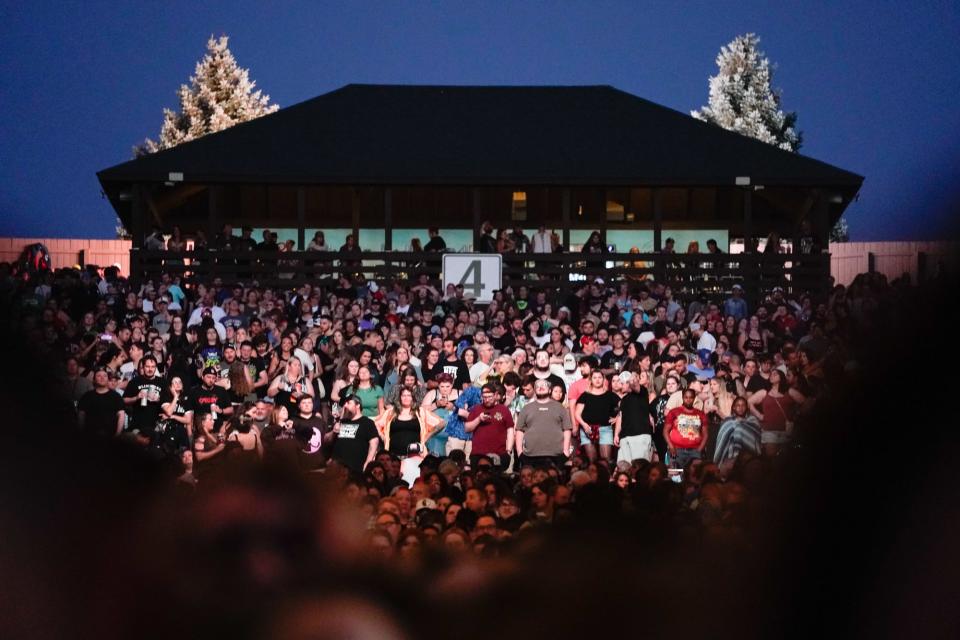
[[142, 400], [543, 430], [355, 439], [492, 428], [209, 398], [454, 366], [541, 369]]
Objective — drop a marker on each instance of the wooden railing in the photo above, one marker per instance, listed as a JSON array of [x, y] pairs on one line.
[[687, 273]]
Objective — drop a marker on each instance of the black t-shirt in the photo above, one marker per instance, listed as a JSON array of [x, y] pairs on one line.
[[254, 366], [202, 399], [599, 409], [143, 416], [757, 383], [610, 360], [436, 243], [554, 380], [180, 408], [352, 443], [304, 427], [100, 412], [635, 415], [504, 342], [457, 369]]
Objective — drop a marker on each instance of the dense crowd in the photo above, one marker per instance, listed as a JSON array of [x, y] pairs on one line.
[[444, 421]]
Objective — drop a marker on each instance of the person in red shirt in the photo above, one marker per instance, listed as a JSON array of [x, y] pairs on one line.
[[685, 430], [492, 428]]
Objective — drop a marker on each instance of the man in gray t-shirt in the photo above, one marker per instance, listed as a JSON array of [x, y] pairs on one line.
[[543, 429]]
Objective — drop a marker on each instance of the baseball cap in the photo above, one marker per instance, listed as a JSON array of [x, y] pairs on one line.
[[625, 376], [211, 371], [645, 337], [694, 326], [425, 503], [585, 340], [569, 362], [704, 355], [737, 286]]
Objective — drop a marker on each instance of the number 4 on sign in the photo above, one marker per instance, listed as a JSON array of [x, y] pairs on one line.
[[471, 280]]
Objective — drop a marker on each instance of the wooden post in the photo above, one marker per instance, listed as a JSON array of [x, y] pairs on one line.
[[748, 219], [603, 220], [871, 262], [301, 218], [213, 214], [137, 215], [355, 213], [657, 195], [388, 219], [921, 267], [476, 219]]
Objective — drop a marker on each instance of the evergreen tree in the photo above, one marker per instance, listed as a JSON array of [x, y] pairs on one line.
[[840, 231], [742, 99], [220, 95]]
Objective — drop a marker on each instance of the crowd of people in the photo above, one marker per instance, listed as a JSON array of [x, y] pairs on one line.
[[640, 426], [447, 422]]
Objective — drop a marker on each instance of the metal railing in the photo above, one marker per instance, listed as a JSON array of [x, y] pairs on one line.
[[686, 273]]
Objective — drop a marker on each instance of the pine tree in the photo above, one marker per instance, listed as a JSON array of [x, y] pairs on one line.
[[840, 231], [742, 99], [220, 95]]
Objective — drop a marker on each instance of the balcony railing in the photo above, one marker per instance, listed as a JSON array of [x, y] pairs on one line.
[[689, 273]]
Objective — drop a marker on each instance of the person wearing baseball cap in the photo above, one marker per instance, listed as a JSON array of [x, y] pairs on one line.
[[736, 305], [210, 398]]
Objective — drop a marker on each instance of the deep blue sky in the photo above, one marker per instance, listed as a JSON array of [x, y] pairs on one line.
[[875, 83]]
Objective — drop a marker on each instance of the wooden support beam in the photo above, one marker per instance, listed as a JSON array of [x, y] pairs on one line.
[[476, 219], [657, 195], [748, 219], [387, 219], [301, 218], [355, 213]]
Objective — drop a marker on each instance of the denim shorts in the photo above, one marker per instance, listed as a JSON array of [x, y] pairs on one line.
[[606, 436]]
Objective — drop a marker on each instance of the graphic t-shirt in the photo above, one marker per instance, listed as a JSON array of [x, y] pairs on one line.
[[490, 436], [352, 443], [685, 427], [143, 415], [201, 399], [457, 369]]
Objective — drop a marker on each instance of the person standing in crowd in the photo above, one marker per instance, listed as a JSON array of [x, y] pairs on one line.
[[776, 408], [596, 411], [543, 430], [492, 427], [436, 243], [686, 431], [541, 242], [100, 411], [741, 432], [633, 428], [354, 436], [736, 305], [487, 242], [142, 400], [210, 398]]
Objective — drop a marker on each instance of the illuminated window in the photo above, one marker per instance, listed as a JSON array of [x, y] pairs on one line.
[[518, 209]]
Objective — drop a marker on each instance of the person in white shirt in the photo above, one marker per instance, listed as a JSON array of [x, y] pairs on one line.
[[542, 241], [483, 363], [704, 339]]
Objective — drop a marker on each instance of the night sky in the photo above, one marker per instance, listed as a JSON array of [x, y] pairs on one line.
[[875, 84]]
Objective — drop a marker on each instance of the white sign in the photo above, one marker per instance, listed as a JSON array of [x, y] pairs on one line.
[[479, 273]]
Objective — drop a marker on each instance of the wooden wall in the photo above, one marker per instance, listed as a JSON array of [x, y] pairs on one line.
[[893, 259], [67, 252]]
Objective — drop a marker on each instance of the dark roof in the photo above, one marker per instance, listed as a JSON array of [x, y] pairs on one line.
[[394, 134]]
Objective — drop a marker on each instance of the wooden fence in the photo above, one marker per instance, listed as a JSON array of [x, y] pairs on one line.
[[920, 260], [847, 259], [687, 274]]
